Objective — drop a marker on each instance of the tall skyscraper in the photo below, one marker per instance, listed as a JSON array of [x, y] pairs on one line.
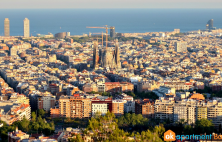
[[210, 25], [26, 28], [6, 27], [112, 32]]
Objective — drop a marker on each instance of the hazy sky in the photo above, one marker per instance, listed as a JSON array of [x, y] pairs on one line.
[[21, 4]]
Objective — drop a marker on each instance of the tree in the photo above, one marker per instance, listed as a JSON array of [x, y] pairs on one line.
[[41, 112], [33, 115], [204, 126]]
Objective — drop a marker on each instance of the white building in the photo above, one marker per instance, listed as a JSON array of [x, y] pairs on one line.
[[99, 108]]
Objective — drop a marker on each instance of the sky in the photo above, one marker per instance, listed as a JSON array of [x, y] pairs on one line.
[[100, 4]]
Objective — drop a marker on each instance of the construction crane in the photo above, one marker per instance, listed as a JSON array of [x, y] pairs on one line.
[[106, 27], [99, 38]]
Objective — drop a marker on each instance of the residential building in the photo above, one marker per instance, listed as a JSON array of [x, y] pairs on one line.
[[201, 112], [101, 104], [46, 101], [74, 107], [129, 103], [145, 107], [164, 109], [118, 107]]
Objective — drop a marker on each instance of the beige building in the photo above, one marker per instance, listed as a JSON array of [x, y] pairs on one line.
[[215, 114], [19, 98], [26, 27], [6, 27], [118, 107], [74, 107], [11, 111], [46, 101], [164, 109]]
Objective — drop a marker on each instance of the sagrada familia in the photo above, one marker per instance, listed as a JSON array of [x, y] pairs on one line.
[[106, 58]]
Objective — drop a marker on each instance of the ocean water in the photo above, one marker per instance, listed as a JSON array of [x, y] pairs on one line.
[[75, 21]]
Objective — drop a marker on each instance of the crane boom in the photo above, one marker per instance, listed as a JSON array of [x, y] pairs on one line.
[[106, 27]]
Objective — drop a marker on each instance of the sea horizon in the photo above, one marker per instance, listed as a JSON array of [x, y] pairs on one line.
[[126, 20]]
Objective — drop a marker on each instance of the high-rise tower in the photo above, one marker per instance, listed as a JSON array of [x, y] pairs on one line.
[[26, 28], [6, 27], [112, 32], [210, 24], [95, 54]]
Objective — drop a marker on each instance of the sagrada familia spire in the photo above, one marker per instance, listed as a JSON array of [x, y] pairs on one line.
[[107, 58]]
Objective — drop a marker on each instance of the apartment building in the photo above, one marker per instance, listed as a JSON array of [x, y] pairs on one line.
[[19, 98], [145, 107], [46, 101], [101, 104], [54, 113], [164, 109], [115, 87], [201, 112], [129, 103], [180, 112], [11, 111], [147, 86], [214, 113], [179, 85], [118, 107], [74, 107]]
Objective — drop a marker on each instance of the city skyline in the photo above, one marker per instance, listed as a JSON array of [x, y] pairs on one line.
[[49, 4]]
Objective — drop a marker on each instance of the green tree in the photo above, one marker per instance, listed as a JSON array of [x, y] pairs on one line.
[[41, 112], [33, 115], [204, 126]]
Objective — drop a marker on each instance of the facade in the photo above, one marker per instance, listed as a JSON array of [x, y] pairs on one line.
[[180, 112], [129, 103], [112, 32], [6, 27], [201, 112], [46, 102], [180, 46], [26, 27], [101, 104], [60, 35], [74, 107], [11, 112], [54, 113], [147, 86], [164, 109], [118, 107], [145, 107], [178, 85], [115, 87], [214, 113], [19, 98]]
